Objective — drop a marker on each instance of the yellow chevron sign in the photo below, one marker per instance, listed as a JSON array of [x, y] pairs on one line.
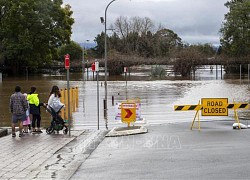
[[214, 106]]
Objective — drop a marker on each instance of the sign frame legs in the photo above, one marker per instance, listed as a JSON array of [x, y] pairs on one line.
[[198, 117], [236, 116]]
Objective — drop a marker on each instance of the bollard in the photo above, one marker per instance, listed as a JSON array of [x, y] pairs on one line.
[[113, 99], [63, 101], [77, 94], [71, 101], [74, 100], [104, 104]]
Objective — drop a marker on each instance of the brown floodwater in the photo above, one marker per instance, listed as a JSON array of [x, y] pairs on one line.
[[157, 96]]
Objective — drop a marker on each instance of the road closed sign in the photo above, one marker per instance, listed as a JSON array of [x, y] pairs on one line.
[[214, 106]]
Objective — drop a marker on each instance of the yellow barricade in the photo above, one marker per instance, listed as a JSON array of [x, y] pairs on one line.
[[212, 107]]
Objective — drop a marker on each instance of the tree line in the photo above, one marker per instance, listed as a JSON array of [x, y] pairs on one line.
[[38, 33], [31, 32]]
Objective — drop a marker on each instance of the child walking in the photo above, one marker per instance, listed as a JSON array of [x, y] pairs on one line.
[[26, 123]]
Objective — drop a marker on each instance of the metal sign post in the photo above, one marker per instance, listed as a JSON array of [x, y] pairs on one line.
[[97, 80], [125, 71], [248, 67], [67, 66]]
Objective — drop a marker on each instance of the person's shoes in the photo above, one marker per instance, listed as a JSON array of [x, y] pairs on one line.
[[14, 135], [21, 134]]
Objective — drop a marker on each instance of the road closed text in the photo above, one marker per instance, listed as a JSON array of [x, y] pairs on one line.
[[214, 107]]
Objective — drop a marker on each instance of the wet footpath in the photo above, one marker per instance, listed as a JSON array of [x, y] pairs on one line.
[[166, 151], [43, 156]]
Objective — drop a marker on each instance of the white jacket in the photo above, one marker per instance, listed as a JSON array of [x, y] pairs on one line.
[[55, 103]]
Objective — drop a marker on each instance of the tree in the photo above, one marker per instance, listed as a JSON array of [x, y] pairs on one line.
[[206, 49], [235, 30], [165, 40], [32, 30], [130, 31], [187, 60], [99, 49], [136, 36], [73, 49]]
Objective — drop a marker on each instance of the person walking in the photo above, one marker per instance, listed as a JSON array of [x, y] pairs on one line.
[[35, 112], [18, 108]]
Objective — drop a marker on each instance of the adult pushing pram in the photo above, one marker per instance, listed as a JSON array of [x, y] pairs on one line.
[[57, 122]]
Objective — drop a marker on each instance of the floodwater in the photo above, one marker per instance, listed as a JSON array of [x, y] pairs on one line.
[[157, 97]]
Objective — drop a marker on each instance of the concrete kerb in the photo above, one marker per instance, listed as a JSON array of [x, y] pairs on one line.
[[125, 131], [3, 132]]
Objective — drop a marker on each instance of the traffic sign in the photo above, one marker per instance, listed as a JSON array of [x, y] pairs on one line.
[[128, 112], [214, 106], [93, 67], [96, 66], [125, 69], [118, 111], [66, 61]]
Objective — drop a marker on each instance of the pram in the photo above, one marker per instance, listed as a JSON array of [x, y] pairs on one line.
[[57, 122]]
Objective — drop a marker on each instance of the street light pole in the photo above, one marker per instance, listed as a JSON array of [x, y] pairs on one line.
[[105, 56], [83, 60]]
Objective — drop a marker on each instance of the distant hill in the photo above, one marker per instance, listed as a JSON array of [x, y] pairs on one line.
[[88, 45]]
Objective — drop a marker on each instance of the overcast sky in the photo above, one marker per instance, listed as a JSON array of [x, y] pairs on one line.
[[195, 21]]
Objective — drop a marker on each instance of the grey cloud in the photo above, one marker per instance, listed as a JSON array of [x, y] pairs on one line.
[[193, 20]]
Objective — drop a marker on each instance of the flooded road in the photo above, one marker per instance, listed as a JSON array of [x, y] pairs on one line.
[[157, 97]]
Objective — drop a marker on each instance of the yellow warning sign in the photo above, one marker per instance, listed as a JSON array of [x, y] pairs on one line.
[[128, 112], [214, 106]]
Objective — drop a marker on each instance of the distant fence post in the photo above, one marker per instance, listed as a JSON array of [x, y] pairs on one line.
[[248, 74], [240, 73]]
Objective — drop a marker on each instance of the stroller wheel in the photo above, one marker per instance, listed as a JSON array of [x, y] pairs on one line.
[[50, 130], [65, 131]]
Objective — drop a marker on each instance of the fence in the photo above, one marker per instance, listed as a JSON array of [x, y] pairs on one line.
[[73, 101]]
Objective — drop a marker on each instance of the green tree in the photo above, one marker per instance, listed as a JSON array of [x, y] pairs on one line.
[[235, 30], [165, 41], [99, 49], [73, 49], [31, 31]]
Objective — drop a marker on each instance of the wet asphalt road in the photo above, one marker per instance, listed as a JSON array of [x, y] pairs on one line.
[[172, 151]]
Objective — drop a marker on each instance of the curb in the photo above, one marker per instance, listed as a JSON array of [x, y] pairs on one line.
[[3, 132], [118, 131]]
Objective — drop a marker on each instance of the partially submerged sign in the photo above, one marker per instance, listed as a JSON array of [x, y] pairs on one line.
[[118, 112], [128, 112], [214, 106]]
